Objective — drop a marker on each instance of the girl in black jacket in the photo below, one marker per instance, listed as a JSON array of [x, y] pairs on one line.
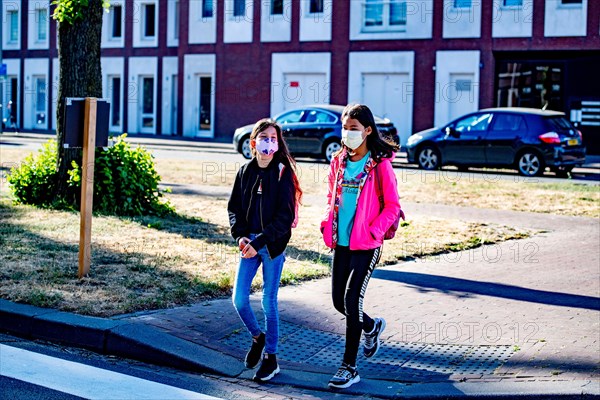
[[262, 211]]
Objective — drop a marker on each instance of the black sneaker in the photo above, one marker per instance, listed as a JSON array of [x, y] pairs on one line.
[[345, 377], [255, 353], [268, 368], [372, 339]]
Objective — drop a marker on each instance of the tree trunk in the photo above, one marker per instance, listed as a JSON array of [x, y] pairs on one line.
[[80, 76]]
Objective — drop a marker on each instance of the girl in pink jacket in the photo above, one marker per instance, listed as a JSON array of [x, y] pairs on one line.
[[362, 204]]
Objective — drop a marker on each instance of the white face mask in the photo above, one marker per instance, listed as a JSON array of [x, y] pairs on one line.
[[352, 139], [267, 146]]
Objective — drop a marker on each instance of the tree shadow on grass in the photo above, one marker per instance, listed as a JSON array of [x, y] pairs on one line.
[[187, 227], [41, 271]]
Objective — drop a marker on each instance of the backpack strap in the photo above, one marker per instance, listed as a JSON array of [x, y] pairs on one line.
[[281, 170], [380, 194]]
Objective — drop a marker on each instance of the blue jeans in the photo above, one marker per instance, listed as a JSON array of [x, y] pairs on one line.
[[241, 295]]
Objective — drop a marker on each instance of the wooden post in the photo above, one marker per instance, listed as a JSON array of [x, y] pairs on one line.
[[87, 186]]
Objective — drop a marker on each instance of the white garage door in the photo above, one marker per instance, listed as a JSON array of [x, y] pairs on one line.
[[460, 95], [390, 96], [303, 89]]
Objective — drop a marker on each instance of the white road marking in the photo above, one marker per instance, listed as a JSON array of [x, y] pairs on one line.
[[83, 380]]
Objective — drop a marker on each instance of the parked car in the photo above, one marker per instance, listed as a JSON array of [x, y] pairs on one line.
[[314, 130], [526, 139]]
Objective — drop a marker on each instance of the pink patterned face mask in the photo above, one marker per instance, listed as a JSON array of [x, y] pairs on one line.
[[267, 146]]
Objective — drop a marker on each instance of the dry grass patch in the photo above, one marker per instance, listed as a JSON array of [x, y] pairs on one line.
[[150, 263]]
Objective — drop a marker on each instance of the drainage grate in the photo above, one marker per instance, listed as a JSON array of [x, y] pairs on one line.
[[325, 349]]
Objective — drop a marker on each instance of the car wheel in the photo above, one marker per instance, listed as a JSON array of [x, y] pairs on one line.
[[245, 147], [429, 158], [330, 149], [530, 163]]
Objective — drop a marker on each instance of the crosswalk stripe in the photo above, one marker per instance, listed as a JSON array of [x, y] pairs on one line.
[[84, 380]]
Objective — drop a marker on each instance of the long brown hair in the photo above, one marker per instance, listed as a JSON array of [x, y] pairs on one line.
[[282, 154], [379, 146]]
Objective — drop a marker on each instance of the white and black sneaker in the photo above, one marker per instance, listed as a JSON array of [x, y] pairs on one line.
[[372, 339], [256, 350], [345, 376], [268, 368]]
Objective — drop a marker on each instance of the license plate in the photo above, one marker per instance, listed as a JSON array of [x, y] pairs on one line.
[[573, 142]]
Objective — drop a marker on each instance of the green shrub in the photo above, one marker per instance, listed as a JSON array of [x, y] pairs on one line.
[[33, 180], [125, 181]]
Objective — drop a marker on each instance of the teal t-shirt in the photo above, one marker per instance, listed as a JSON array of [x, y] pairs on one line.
[[347, 210]]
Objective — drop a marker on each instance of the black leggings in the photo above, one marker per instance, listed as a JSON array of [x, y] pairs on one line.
[[349, 279]]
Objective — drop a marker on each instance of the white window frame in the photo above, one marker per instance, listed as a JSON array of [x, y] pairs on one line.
[[309, 13], [10, 26], [202, 5], [385, 26], [569, 5], [235, 17], [39, 22], [144, 21], [36, 108], [176, 19], [271, 9], [454, 6], [110, 95], [111, 23]]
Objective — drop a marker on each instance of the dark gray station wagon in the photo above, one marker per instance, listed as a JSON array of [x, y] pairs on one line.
[[526, 139]]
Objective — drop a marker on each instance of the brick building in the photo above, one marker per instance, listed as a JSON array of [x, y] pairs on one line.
[[201, 68]]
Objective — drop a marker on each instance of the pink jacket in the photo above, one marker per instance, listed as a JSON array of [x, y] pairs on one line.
[[370, 223]]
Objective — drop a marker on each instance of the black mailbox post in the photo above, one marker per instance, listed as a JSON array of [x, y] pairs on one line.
[[74, 121]]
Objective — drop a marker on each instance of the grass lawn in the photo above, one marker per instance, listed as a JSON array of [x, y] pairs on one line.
[[149, 263]]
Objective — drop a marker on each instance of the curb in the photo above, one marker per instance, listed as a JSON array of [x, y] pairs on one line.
[[106, 336], [147, 344]]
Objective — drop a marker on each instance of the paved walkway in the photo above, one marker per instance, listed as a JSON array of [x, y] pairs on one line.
[[525, 310]]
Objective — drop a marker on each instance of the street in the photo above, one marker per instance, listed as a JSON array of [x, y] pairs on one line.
[[224, 152], [45, 371]]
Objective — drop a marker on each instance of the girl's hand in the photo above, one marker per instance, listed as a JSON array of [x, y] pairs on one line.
[[249, 251], [243, 242]]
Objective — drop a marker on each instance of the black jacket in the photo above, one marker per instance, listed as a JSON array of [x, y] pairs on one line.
[[277, 208]]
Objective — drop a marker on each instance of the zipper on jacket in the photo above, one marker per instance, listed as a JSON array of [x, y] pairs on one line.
[[250, 203], [262, 226]]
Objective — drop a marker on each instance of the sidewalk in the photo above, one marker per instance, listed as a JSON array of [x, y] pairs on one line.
[[521, 318]]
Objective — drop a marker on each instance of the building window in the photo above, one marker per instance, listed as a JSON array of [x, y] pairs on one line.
[[176, 21], [239, 8], [529, 84], [387, 15], [40, 100], [276, 7], [207, 8], [13, 26], [115, 103], [316, 6], [42, 24], [149, 21], [205, 103], [513, 3], [116, 29], [571, 1], [462, 3]]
